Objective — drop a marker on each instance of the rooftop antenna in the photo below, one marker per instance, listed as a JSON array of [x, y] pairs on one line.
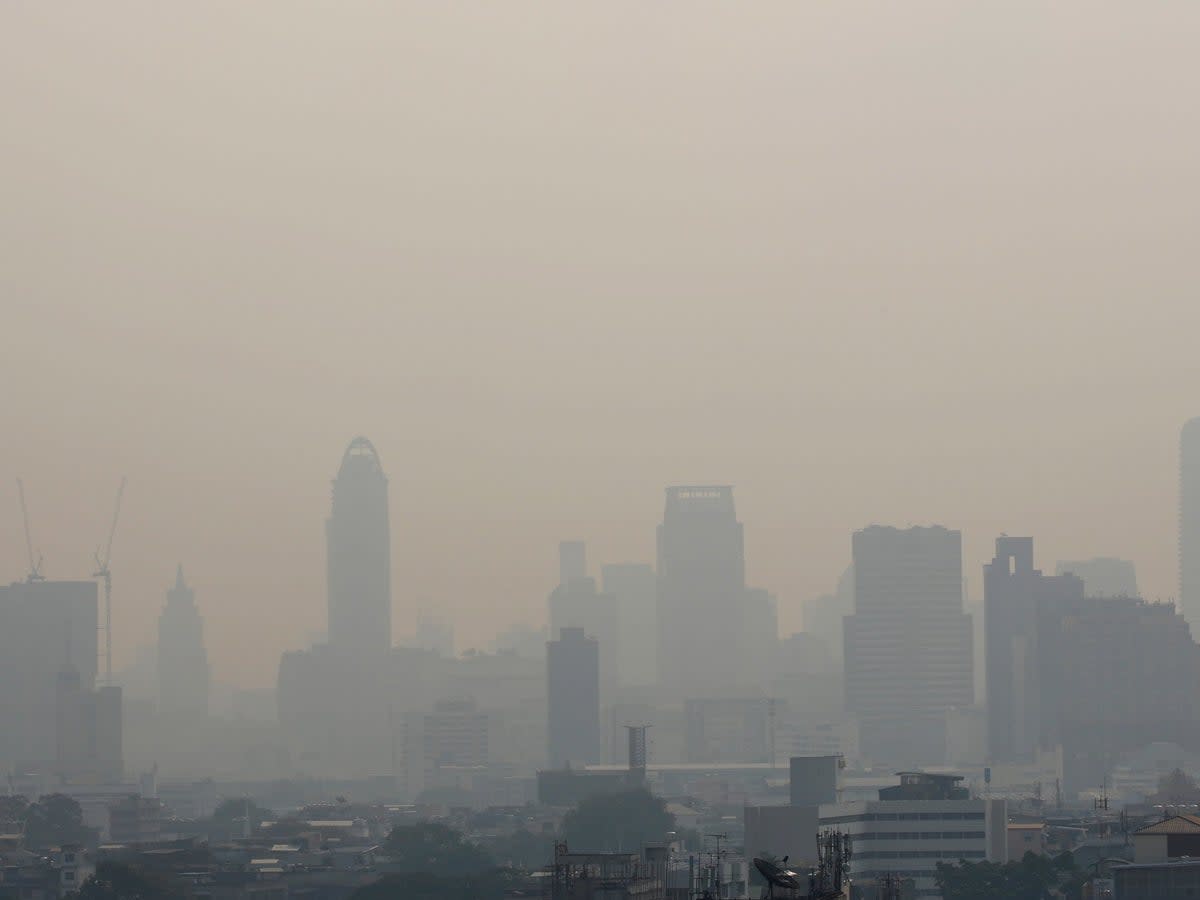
[[103, 572], [35, 566]]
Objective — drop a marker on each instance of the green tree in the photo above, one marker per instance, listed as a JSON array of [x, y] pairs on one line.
[[54, 820], [624, 821], [1033, 878], [118, 881], [13, 808], [436, 849]]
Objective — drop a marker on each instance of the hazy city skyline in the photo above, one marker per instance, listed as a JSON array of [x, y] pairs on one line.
[[896, 265]]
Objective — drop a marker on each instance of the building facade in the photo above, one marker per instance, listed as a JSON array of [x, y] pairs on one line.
[[573, 699], [701, 588], [183, 674], [1014, 593], [908, 645], [923, 821], [358, 540], [633, 587]]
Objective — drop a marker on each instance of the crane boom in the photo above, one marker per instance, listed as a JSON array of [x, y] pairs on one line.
[[35, 566], [113, 529], [102, 571]]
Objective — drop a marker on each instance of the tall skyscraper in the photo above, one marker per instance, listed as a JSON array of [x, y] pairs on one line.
[[359, 556], [46, 627], [183, 674], [634, 588], [1189, 519], [701, 589], [573, 699], [575, 603], [1015, 594], [908, 646]]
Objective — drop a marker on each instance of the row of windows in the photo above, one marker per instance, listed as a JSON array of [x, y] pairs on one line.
[[904, 817], [920, 836], [919, 854]]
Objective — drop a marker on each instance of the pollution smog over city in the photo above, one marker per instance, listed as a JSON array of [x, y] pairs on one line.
[[599, 451]]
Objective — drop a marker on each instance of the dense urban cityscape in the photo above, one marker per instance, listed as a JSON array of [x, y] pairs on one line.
[[599, 451], [1059, 717]]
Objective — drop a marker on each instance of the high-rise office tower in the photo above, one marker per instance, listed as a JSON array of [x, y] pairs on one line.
[[701, 589], [183, 674], [634, 589], [46, 627], [359, 556], [573, 699], [1189, 519], [575, 603], [1015, 594], [908, 646]]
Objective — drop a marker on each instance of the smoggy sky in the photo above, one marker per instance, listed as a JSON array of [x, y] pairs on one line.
[[895, 263]]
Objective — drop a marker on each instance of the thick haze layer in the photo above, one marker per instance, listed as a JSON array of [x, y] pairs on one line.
[[868, 263]]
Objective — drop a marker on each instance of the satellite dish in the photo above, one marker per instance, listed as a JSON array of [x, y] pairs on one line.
[[777, 876]]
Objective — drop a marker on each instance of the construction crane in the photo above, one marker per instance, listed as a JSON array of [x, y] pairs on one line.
[[35, 566], [102, 571]]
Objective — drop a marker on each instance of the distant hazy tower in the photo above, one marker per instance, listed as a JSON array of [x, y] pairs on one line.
[[1189, 520], [183, 675], [701, 588], [359, 555], [573, 699], [907, 647]]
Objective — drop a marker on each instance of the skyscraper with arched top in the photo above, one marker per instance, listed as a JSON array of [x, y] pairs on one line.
[[358, 542]]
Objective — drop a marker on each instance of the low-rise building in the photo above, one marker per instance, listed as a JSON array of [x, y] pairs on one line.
[[913, 826]]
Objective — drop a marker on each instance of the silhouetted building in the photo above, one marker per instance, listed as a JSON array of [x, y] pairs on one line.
[[701, 589], [727, 729], [575, 603], [760, 639], [573, 699], [908, 646], [359, 555], [813, 780], [455, 737], [1103, 576], [823, 616], [1189, 518], [1115, 674], [572, 561], [634, 589], [1014, 596], [45, 626], [183, 674]]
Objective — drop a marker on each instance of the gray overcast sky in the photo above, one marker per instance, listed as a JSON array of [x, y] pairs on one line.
[[898, 263]]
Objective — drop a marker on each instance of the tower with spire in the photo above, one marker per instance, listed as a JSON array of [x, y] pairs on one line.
[[183, 675]]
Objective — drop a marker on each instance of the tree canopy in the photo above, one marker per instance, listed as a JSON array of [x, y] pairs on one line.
[[436, 849], [118, 881], [54, 820], [1033, 878], [623, 821]]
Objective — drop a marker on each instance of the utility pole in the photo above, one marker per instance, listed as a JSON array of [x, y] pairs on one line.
[[716, 864]]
